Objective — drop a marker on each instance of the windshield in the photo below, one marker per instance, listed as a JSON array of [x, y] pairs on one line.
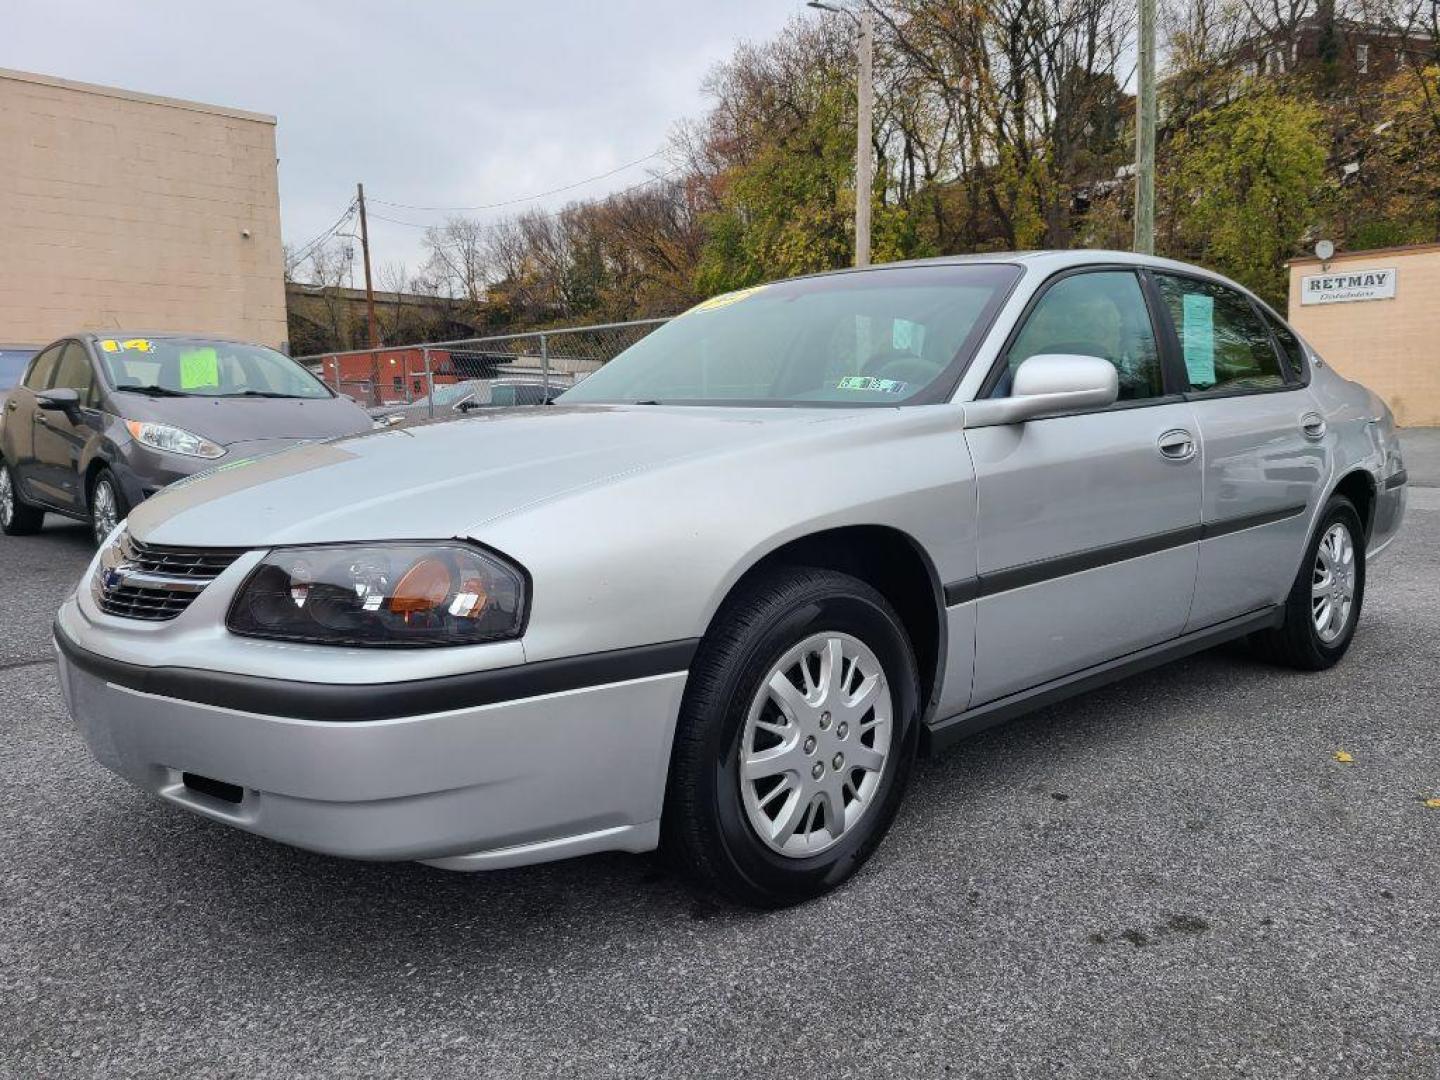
[[445, 395], [13, 363], [203, 367], [877, 338]]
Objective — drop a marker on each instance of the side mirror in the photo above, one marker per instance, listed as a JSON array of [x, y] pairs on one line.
[[61, 399], [1046, 384]]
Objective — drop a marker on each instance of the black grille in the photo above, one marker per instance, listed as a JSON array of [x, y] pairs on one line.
[[145, 581]]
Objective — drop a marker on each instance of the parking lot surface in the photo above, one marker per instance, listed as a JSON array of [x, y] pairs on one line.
[[1174, 876]]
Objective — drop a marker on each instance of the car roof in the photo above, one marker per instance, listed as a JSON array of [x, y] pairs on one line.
[[1047, 261], [158, 334]]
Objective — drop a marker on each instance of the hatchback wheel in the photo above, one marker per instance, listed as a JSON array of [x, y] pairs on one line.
[[107, 505], [1323, 607], [795, 740], [16, 518]]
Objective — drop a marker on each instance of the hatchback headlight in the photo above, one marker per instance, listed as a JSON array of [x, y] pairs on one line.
[[382, 594], [174, 439]]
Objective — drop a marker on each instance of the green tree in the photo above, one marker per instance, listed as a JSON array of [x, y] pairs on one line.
[[1242, 183]]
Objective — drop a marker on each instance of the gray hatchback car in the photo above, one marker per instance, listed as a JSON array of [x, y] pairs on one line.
[[718, 596], [100, 422]]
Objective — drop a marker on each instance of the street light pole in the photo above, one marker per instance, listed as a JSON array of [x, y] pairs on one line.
[[1145, 134], [864, 98]]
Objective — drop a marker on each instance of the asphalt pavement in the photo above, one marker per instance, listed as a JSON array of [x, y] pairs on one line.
[[1170, 877]]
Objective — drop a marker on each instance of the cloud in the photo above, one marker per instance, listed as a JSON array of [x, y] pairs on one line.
[[433, 103]]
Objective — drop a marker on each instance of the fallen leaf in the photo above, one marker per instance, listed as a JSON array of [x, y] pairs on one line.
[[1342, 757], [1433, 804]]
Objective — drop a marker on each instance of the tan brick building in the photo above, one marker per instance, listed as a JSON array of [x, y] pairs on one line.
[[1375, 316], [124, 210]]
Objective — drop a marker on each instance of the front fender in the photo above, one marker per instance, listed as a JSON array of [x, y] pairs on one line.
[[650, 557]]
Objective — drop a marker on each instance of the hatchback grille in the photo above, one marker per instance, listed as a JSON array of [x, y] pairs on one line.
[[145, 581]]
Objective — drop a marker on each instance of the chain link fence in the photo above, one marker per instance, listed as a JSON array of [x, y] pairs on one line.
[[432, 379]]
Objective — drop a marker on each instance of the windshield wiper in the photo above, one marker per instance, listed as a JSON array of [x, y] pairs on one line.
[[262, 393], [154, 391]]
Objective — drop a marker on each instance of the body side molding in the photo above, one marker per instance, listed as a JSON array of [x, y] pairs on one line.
[[944, 733]]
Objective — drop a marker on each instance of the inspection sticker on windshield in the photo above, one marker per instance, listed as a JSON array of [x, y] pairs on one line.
[[725, 299], [865, 382], [130, 345]]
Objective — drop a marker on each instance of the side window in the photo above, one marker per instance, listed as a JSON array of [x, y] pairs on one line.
[[41, 368], [74, 372], [1101, 313], [1290, 346], [1224, 344]]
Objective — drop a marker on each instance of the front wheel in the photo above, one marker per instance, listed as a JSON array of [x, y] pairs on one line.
[[107, 505], [795, 740], [1323, 607]]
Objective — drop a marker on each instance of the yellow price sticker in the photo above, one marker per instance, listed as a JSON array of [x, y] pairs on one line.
[[725, 299]]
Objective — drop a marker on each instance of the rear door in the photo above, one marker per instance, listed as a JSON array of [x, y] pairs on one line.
[[1264, 448], [1088, 523], [18, 433], [59, 440]]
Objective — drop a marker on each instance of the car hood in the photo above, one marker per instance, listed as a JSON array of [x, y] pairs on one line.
[[446, 479], [239, 419]]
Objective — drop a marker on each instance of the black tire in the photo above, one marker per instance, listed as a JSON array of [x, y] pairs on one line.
[[21, 519], [705, 827], [106, 479], [1296, 642]]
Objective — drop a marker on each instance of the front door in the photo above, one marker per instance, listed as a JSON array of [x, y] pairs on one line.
[[1265, 446], [17, 434], [59, 439], [1089, 523]]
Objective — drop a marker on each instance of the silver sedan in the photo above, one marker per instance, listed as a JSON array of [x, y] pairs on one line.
[[719, 595]]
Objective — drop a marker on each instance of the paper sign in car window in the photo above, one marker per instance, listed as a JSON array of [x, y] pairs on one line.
[[129, 345], [1198, 333], [725, 299], [199, 368], [865, 382]]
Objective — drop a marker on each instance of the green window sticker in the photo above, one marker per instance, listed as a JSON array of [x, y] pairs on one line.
[[199, 368], [1198, 334]]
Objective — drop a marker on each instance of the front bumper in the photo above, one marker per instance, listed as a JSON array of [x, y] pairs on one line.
[[499, 784]]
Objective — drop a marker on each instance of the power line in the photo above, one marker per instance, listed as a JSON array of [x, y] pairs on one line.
[[491, 227], [304, 250], [522, 199]]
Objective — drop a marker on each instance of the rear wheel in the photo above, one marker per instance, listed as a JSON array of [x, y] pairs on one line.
[[16, 518], [1324, 604], [107, 505], [795, 740]]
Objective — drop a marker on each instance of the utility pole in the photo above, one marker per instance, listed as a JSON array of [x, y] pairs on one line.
[[864, 98], [369, 288], [1145, 134], [864, 161]]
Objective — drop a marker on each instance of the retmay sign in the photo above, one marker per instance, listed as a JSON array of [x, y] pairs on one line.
[[1342, 287]]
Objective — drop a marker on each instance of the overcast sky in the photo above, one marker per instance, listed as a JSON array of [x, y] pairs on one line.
[[429, 102]]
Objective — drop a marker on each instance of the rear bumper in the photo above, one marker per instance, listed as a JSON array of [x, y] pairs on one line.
[[499, 784]]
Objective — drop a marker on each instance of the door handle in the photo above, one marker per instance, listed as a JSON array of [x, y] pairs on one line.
[[1177, 445], [1313, 425]]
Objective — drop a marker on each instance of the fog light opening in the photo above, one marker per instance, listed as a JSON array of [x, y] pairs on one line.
[[216, 789]]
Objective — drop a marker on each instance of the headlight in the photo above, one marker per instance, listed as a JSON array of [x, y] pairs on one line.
[[174, 439], [382, 594]]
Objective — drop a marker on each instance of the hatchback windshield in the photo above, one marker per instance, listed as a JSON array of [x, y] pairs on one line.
[[203, 367], [878, 338]]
